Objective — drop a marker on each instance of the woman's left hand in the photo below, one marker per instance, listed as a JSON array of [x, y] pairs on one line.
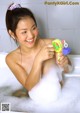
[[62, 61]]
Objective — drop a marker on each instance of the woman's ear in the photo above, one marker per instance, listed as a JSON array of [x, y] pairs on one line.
[[11, 34]]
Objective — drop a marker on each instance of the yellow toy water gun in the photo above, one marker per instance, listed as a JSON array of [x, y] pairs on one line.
[[61, 46]]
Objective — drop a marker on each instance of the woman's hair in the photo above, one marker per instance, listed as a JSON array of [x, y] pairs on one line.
[[14, 14]]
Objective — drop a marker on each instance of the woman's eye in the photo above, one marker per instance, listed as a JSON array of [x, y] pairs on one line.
[[24, 32], [34, 28]]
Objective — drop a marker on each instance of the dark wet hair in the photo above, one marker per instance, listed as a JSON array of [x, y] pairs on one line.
[[13, 16]]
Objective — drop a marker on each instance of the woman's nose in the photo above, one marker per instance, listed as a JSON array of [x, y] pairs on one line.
[[30, 34]]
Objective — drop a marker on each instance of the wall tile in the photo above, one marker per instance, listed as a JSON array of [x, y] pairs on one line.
[[61, 17], [76, 41], [6, 43], [32, 1], [77, 16]]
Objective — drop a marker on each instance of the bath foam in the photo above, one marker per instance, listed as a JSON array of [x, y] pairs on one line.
[[68, 102], [48, 89]]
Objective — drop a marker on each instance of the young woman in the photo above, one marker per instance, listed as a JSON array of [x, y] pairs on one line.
[[35, 56]]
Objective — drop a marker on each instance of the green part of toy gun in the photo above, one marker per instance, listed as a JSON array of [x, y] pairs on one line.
[[57, 44]]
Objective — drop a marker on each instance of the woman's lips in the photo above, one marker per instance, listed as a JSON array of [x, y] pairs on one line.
[[30, 41]]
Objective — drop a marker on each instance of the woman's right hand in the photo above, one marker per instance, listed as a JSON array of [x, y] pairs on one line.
[[45, 53]]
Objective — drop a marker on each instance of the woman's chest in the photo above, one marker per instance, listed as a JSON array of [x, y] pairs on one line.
[[27, 64]]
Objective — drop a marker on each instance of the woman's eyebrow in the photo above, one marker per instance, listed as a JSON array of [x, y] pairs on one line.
[[33, 25], [26, 28]]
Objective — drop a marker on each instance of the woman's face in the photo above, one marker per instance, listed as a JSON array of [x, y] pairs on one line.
[[26, 32]]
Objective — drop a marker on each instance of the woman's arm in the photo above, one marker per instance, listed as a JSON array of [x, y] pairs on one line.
[[27, 80], [31, 79], [34, 75]]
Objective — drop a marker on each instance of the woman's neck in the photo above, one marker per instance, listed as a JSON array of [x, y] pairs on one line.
[[25, 50]]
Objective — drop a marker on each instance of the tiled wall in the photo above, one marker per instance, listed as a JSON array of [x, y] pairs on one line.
[[60, 21]]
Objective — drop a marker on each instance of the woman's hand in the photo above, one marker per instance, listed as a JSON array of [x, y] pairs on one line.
[[45, 53], [62, 61]]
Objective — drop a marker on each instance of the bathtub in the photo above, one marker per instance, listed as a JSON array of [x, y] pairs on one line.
[[68, 103], [6, 76], [75, 60]]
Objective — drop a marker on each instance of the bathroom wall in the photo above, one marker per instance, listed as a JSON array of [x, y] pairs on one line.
[[54, 20]]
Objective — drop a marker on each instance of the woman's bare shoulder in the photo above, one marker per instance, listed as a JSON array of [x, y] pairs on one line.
[[13, 56]]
